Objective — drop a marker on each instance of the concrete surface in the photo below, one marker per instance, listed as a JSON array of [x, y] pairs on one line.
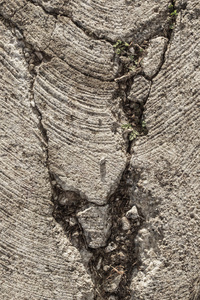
[[87, 211]]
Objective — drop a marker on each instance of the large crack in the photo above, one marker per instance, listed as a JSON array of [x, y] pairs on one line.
[[124, 75], [111, 267], [113, 270]]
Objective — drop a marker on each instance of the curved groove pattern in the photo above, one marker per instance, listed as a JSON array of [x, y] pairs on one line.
[[122, 19], [34, 264], [168, 159], [65, 167], [77, 115], [61, 38]]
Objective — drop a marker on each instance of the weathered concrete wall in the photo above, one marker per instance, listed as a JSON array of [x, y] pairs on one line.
[[99, 150]]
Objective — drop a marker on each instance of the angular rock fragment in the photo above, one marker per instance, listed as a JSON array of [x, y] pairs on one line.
[[153, 59], [125, 224], [111, 247], [96, 225], [133, 213], [139, 90]]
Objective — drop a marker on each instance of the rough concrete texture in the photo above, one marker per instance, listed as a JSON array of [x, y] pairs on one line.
[[37, 260], [114, 19], [139, 90], [99, 149], [168, 162]]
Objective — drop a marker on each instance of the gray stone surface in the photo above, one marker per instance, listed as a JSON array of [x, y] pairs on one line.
[[65, 173], [154, 56], [139, 90], [125, 224], [96, 224], [114, 19], [84, 153], [61, 38], [133, 213]]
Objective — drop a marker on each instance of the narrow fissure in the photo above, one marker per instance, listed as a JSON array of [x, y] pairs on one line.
[[45, 57], [78, 24]]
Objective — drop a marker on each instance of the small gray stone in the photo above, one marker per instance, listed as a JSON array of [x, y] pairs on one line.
[[96, 225], [106, 268], [132, 50], [112, 298], [111, 247], [18, 34], [99, 263], [153, 59], [133, 213], [139, 90], [31, 67], [39, 55], [27, 55], [125, 224], [72, 221]]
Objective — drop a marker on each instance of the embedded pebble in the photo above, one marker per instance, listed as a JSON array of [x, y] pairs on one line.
[[111, 247], [31, 67], [106, 268], [99, 263], [133, 213], [39, 55], [125, 224], [18, 34], [112, 297], [72, 221]]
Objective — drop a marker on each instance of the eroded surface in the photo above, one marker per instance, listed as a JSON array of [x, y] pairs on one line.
[[85, 212], [167, 160], [34, 251]]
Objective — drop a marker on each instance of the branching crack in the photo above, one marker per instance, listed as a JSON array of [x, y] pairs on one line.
[[11, 24], [111, 266], [86, 31]]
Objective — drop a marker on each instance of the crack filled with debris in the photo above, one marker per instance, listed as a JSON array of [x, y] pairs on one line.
[[112, 265]]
